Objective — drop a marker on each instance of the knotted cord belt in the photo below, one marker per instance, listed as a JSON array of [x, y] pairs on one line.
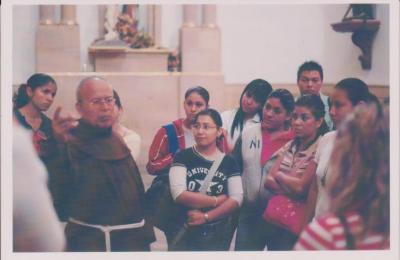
[[108, 229]]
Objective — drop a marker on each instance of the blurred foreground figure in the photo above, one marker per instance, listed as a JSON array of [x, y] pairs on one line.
[[35, 224], [358, 187]]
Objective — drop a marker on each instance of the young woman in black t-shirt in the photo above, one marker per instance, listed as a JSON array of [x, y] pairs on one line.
[[207, 214], [30, 101]]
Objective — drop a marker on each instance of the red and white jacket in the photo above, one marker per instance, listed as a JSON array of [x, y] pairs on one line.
[[159, 155]]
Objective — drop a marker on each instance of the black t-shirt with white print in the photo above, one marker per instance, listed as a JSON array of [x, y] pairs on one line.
[[197, 168]]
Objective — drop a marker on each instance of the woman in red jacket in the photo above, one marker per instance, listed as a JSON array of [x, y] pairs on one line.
[[160, 154]]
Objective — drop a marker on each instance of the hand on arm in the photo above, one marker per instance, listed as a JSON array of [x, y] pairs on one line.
[[295, 185], [226, 207], [197, 200], [196, 217], [270, 181]]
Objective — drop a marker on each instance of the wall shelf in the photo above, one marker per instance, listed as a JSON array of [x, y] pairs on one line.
[[364, 31]]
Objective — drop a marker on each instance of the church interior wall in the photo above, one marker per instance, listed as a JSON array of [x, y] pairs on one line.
[[258, 41], [267, 41]]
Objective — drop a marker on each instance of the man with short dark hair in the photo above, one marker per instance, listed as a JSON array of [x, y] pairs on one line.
[[95, 184], [310, 77]]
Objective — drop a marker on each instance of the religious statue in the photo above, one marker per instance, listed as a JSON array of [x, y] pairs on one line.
[[360, 11], [121, 27], [363, 26], [174, 61], [109, 25]]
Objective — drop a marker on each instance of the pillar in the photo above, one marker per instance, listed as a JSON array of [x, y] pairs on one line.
[[209, 16], [200, 45], [57, 44], [68, 14], [190, 15], [154, 23], [46, 14]]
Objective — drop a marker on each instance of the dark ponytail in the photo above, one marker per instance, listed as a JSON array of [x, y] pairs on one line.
[[21, 98]]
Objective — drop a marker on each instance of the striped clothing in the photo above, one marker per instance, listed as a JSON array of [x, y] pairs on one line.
[[159, 155], [160, 158], [327, 233]]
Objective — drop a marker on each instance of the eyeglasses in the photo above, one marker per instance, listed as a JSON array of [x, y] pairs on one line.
[[206, 127], [96, 102]]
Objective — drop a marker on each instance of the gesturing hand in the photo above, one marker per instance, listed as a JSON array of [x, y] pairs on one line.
[[61, 125]]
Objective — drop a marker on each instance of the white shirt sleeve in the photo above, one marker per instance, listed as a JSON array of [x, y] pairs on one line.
[[225, 116], [133, 141], [319, 150], [235, 188], [177, 180]]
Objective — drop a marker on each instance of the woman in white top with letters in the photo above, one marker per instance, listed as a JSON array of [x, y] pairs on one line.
[[248, 113]]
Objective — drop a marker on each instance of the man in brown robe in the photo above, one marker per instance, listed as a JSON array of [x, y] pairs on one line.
[[95, 183]]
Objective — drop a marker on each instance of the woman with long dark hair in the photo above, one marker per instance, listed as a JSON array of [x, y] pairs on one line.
[[30, 101], [292, 173], [160, 156], [348, 94], [249, 112], [255, 152]]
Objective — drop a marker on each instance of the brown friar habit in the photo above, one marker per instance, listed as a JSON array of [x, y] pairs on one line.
[[95, 180]]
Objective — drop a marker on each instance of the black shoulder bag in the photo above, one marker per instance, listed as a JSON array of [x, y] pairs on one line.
[[160, 207]]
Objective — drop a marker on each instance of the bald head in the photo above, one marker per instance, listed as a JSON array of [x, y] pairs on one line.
[[87, 83], [95, 102]]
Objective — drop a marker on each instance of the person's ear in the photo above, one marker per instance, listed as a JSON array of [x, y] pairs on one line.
[[319, 122], [220, 132], [119, 112], [29, 91], [78, 107], [288, 117]]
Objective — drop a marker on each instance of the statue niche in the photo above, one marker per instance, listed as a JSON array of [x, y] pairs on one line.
[[121, 28], [364, 26], [125, 48]]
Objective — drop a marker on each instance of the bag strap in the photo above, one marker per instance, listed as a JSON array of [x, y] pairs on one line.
[[173, 144], [210, 174], [348, 236], [202, 190]]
